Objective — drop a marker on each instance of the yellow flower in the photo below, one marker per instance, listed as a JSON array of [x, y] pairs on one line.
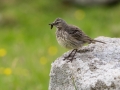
[[43, 60], [2, 52], [52, 50], [79, 14], [7, 71]]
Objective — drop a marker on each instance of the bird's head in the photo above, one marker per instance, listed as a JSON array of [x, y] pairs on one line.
[[58, 23]]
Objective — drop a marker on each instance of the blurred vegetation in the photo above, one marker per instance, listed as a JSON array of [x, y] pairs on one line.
[[28, 46]]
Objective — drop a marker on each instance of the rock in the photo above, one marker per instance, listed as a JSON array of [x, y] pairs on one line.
[[96, 69]]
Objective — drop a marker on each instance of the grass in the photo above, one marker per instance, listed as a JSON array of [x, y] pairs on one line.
[[28, 46]]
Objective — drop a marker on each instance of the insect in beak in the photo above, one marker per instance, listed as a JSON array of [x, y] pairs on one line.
[[51, 25]]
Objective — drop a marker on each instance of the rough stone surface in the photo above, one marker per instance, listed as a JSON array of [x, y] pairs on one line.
[[96, 69]]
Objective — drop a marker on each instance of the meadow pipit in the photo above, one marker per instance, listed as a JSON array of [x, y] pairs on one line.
[[70, 36]]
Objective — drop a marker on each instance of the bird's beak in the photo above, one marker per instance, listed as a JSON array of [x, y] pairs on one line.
[[52, 24]]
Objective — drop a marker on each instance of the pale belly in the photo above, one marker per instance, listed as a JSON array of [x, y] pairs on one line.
[[67, 41], [62, 42], [68, 44]]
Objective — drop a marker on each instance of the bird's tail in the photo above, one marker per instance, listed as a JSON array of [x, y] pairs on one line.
[[94, 41]]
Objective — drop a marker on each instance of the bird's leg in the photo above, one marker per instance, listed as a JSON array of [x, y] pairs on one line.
[[70, 55]]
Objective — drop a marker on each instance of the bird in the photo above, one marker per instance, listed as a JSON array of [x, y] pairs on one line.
[[70, 36]]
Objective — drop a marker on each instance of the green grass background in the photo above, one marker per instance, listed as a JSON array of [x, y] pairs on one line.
[[28, 44]]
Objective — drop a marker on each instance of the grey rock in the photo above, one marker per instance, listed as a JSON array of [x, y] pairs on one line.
[[96, 69]]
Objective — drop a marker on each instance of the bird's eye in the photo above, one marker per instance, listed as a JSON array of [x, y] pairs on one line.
[[57, 22]]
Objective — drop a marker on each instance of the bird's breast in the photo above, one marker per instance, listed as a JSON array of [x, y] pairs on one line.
[[61, 38], [65, 40]]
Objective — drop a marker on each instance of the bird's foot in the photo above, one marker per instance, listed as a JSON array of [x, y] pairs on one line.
[[70, 57]]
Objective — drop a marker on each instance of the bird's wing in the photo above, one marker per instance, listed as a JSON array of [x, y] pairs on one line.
[[78, 34]]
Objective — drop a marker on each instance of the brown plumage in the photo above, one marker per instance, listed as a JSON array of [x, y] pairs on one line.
[[70, 36]]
